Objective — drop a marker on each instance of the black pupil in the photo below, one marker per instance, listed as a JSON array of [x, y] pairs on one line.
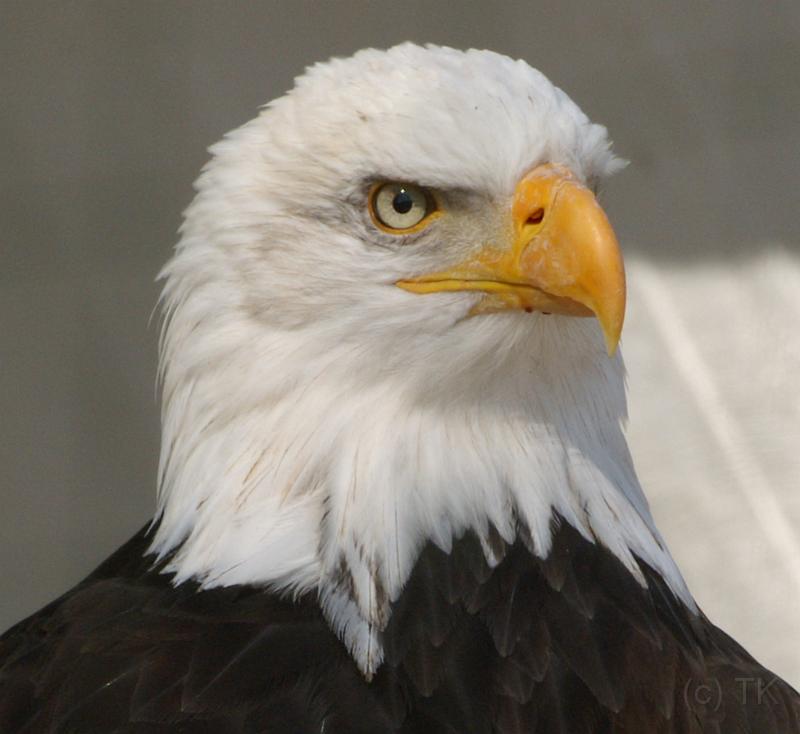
[[402, 202]]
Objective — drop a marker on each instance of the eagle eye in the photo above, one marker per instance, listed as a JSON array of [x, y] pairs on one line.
[[401, 208]]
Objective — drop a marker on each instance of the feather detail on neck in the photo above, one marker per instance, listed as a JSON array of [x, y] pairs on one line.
[[336, 482]]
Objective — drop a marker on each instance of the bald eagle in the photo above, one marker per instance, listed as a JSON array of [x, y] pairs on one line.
[[394, 492]]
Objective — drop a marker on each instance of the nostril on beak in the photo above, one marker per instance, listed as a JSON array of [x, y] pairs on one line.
[[535, 217]]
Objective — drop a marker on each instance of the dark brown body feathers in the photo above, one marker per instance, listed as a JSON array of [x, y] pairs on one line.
[[569, 645]]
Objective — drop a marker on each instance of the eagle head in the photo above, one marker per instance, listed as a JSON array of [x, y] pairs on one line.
[[389, 320]]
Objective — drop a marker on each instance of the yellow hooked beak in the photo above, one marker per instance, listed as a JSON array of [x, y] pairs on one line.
[[563, 257]]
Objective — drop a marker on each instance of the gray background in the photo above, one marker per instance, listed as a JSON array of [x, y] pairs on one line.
[[105, 113]]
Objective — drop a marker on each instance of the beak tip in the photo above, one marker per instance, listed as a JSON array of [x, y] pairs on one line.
[[611, 325], [611, 335]]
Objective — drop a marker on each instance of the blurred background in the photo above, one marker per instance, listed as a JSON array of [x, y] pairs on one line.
[[107, 109]]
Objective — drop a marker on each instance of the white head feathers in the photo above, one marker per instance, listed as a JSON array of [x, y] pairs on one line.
[[318, 421]]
